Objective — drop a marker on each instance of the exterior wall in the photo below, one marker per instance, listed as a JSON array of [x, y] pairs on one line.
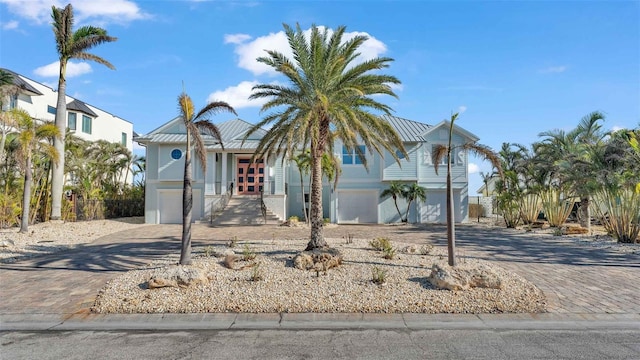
[[277, 204], [105, 126], [406, 170]]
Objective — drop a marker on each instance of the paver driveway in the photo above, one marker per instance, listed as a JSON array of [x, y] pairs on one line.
[[576, 278]]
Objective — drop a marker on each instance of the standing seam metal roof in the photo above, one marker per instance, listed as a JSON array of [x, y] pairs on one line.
[[408, 130]]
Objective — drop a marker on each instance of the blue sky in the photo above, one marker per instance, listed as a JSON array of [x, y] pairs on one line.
[[513, 69]]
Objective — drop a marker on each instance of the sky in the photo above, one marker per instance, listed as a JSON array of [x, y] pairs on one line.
[[511, 69]]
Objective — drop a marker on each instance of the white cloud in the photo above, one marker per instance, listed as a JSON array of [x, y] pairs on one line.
[[39, 11], [10, 25], [553, 69], [462, 109], [73, 69], [473, 168], [248, 49], [237, 96], [236, 38], [615, 128]]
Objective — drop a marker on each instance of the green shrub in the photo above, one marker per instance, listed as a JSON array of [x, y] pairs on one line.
[[379, 275], [389, 253], [293, 219], [380, 244], [326, 221], [256, 273], [247, 253]]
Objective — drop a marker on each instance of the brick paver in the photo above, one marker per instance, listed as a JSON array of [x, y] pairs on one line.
[[576, 278]]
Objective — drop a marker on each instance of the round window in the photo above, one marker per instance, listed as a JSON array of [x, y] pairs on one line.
[[176, 154]]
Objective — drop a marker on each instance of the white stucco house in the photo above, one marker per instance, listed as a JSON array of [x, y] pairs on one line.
[[356, 199], [84, 120]]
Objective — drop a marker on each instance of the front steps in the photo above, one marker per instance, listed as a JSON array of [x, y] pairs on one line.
[[244, 210]]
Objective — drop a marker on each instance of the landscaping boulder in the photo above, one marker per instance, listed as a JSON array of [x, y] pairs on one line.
[[177, 276], [464, 277], [318, 259]]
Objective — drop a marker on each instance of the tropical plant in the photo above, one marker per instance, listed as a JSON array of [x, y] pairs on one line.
[[328, 98], [303, 161], [7, 88], [71, 45], [557, 206], [195, 124], [445, 152], [31, 136], [414, 192], [396, 190]]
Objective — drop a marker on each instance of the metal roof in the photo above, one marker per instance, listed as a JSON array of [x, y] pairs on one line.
[[408, 130], [78, 105], [236, 129]]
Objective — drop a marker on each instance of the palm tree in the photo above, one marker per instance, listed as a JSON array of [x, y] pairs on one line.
[[414, 192], [31, 136], [7, 88], [71, 45], [396, 190], [329, 96], [303, 161], [196, 124], [441, 152]]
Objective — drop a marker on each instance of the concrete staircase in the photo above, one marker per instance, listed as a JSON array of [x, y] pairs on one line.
[[244, 210]]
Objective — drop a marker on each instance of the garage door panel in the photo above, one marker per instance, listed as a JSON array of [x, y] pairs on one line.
[[434, 209], [358, 207], [170, 206]]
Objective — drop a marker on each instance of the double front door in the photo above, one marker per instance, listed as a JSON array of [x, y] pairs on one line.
[[250, 177]]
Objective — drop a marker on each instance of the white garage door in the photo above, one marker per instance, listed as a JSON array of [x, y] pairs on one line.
[[170, 206], [358, 207], [434, 209]]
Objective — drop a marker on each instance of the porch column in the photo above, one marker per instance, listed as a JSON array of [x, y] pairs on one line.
[[223, 178], [213, 165]]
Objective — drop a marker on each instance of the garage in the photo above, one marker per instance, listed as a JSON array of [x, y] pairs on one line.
[[357, 207], [170, 206]]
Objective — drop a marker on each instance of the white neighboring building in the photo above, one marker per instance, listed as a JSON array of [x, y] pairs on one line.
[[85, 121]]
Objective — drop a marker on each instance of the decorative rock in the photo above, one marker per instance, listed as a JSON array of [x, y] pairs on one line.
[[7, 243], [177, 276], [464, 277], [411, 249], [319, 259]]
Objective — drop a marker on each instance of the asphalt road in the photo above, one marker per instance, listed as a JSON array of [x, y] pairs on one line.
[[323, 344]]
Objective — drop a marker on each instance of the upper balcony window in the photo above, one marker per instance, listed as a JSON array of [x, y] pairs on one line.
[[51, 109], [352, 157]]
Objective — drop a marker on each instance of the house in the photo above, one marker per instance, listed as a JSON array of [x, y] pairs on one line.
[[356, 198], [85, 121]]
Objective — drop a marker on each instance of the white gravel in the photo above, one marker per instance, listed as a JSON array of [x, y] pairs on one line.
[[348, 288], [51, 237]]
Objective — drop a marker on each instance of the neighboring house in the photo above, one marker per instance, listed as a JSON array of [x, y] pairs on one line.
[[489, 189], [356, 199], [85, 121]]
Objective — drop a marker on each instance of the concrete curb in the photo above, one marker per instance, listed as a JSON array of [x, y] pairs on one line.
[[315, 321]]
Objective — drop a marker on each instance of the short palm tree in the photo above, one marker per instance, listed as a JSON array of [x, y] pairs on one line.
[[196, 124], [396, 190], [328, 97], [31, 136], [442, 151], [71, 45], [303, 161], [414, 192]]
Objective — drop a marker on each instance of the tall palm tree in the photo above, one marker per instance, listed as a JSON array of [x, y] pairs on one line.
[[441, 152], [7, 88], [71, 45], [414, 192], [196, 124], [328, 97], [396, 190], [30, 137]]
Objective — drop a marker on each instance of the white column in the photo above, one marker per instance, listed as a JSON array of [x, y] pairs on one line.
[[223, 179]]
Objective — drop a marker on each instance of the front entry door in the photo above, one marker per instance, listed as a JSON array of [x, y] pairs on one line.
[[250, 177]]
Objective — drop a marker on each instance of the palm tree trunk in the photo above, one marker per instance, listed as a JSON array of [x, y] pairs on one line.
[[57, 181], [187, 203], [406, 216], [304, 203], [317, 224], [451, 229], [585, 213], [26, 196], [395, 201]]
